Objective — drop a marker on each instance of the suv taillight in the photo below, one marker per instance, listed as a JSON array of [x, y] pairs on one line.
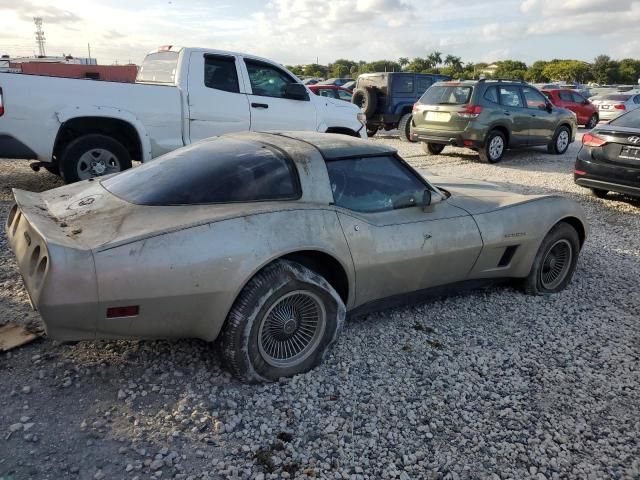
[[1, 104], [470, 111], [415, 107], [591, 140]]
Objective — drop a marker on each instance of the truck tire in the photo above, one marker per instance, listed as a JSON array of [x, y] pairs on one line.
[[404, 125], [93, 155], [366, 99], [432, 148], [371, 131], [282, 323]]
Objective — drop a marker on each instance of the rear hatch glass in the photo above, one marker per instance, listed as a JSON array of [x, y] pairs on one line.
[[438, 108], [159, 67]]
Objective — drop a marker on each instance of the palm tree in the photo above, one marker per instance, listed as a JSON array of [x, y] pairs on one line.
[[453, 62], [435, 58], [403, 61]]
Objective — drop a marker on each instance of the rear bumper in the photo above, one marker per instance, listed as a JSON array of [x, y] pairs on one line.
[[614, 178], [610, 114], [457, 139], [11, 147]]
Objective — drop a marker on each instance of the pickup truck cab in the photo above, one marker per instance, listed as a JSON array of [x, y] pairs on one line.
[[83, 128]]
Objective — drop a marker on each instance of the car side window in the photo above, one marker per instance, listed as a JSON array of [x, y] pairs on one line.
[[578, 98], [566, 97], [325, 92], [267, 80], [423, 84], [342, 95], [220, 73], [491, 95], [636, 99], [510, 97], [374, 184], [534, 98]]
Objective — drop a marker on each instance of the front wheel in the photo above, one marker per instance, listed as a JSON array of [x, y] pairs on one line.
[[282, 323], [404, 125], [432, 148], [598, 192], [91, 156], [555, 262], [560, 142]]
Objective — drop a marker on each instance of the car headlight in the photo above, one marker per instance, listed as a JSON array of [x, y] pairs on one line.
[[362, 118]]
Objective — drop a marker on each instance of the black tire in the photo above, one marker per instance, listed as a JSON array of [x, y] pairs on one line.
[[366, 99], [491, 152], [598, 192], [116, 159], [593, 122], [52, 167], [554, 146], [404, 125], [371, 131], [243, 350], [564, 237], [432, 148]]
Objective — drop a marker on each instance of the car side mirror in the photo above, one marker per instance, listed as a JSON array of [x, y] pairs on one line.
[[549, 107], [586, 102], [430, 198], [296, 91]]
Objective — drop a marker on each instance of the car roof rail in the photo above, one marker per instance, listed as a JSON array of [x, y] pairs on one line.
[[503, 80]]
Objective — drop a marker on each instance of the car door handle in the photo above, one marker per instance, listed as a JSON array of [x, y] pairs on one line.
[[259, 105]]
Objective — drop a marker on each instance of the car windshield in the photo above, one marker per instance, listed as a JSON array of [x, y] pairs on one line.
[[617, 98], [159, 67], [220, 170], [447, 95], [631, 120]]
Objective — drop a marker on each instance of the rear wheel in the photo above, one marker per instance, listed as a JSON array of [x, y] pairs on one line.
[[494, 147], [366, 99], [371, 131], [599, 192], [560, 142], [282, 323], [432, 148], [555, 262], [91, 156], [405, 127], [593, 121]]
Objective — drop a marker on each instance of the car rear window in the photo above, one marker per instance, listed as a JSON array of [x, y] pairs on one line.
[[221, 170], [631, 120], [159, 67], [616, 98], [447, 95]]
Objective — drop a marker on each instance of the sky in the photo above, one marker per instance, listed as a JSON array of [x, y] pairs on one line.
[[301, 31]]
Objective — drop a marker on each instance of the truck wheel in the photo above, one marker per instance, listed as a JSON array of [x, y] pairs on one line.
[[282, 323], [366, 99], [555, 262], [494, 147], [91, 156], [404, 125], [371, 131], [432, 148], [560, 142]]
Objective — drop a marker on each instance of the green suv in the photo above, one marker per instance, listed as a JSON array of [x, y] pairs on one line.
[[490, 116]]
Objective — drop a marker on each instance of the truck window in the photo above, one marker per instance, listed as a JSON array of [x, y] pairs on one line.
[[267, 80], [423, 84], [159, 67], [403, 84], [220, 73]]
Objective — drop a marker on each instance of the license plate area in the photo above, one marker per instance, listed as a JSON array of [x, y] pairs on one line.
[[630, 153], [437, 116]]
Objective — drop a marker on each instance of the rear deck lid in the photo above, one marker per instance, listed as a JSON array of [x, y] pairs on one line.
[[445, 106]]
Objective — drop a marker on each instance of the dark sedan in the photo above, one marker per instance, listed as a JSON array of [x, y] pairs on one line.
[[609, 160]]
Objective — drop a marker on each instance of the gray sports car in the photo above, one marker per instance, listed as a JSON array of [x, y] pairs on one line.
[[265, 240]]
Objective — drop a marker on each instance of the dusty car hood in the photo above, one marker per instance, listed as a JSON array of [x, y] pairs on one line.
[[478, 197]]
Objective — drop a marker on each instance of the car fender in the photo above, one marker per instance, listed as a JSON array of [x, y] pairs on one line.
[[72, 112], [523, 225], [334, 113]]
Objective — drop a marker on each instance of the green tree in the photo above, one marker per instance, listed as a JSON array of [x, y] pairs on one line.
[[454, 63], [295, 69], [535, 73], [381, 66], [568, 71], [315, 70], [419, 64], [628, 71], [435, 58], [341, 68], [603, 69], [511, 69]]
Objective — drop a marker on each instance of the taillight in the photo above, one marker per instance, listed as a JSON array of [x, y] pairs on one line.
[[1, 104], [591, 140], [415, 107], [470, 111], [620, 107]]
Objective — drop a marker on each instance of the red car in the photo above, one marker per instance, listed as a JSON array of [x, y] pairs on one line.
[[586, 111], [331, 91]]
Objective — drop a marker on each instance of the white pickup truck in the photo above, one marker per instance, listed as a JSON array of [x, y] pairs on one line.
[[82, 128]]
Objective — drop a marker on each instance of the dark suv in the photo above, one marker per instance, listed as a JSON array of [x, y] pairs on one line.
[[386, 98], [490, 116]]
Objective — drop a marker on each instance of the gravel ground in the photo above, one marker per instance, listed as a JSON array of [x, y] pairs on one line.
[[488, 384]]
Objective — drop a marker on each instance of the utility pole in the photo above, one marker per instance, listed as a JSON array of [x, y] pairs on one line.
[[39, 36], [89, 50]]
